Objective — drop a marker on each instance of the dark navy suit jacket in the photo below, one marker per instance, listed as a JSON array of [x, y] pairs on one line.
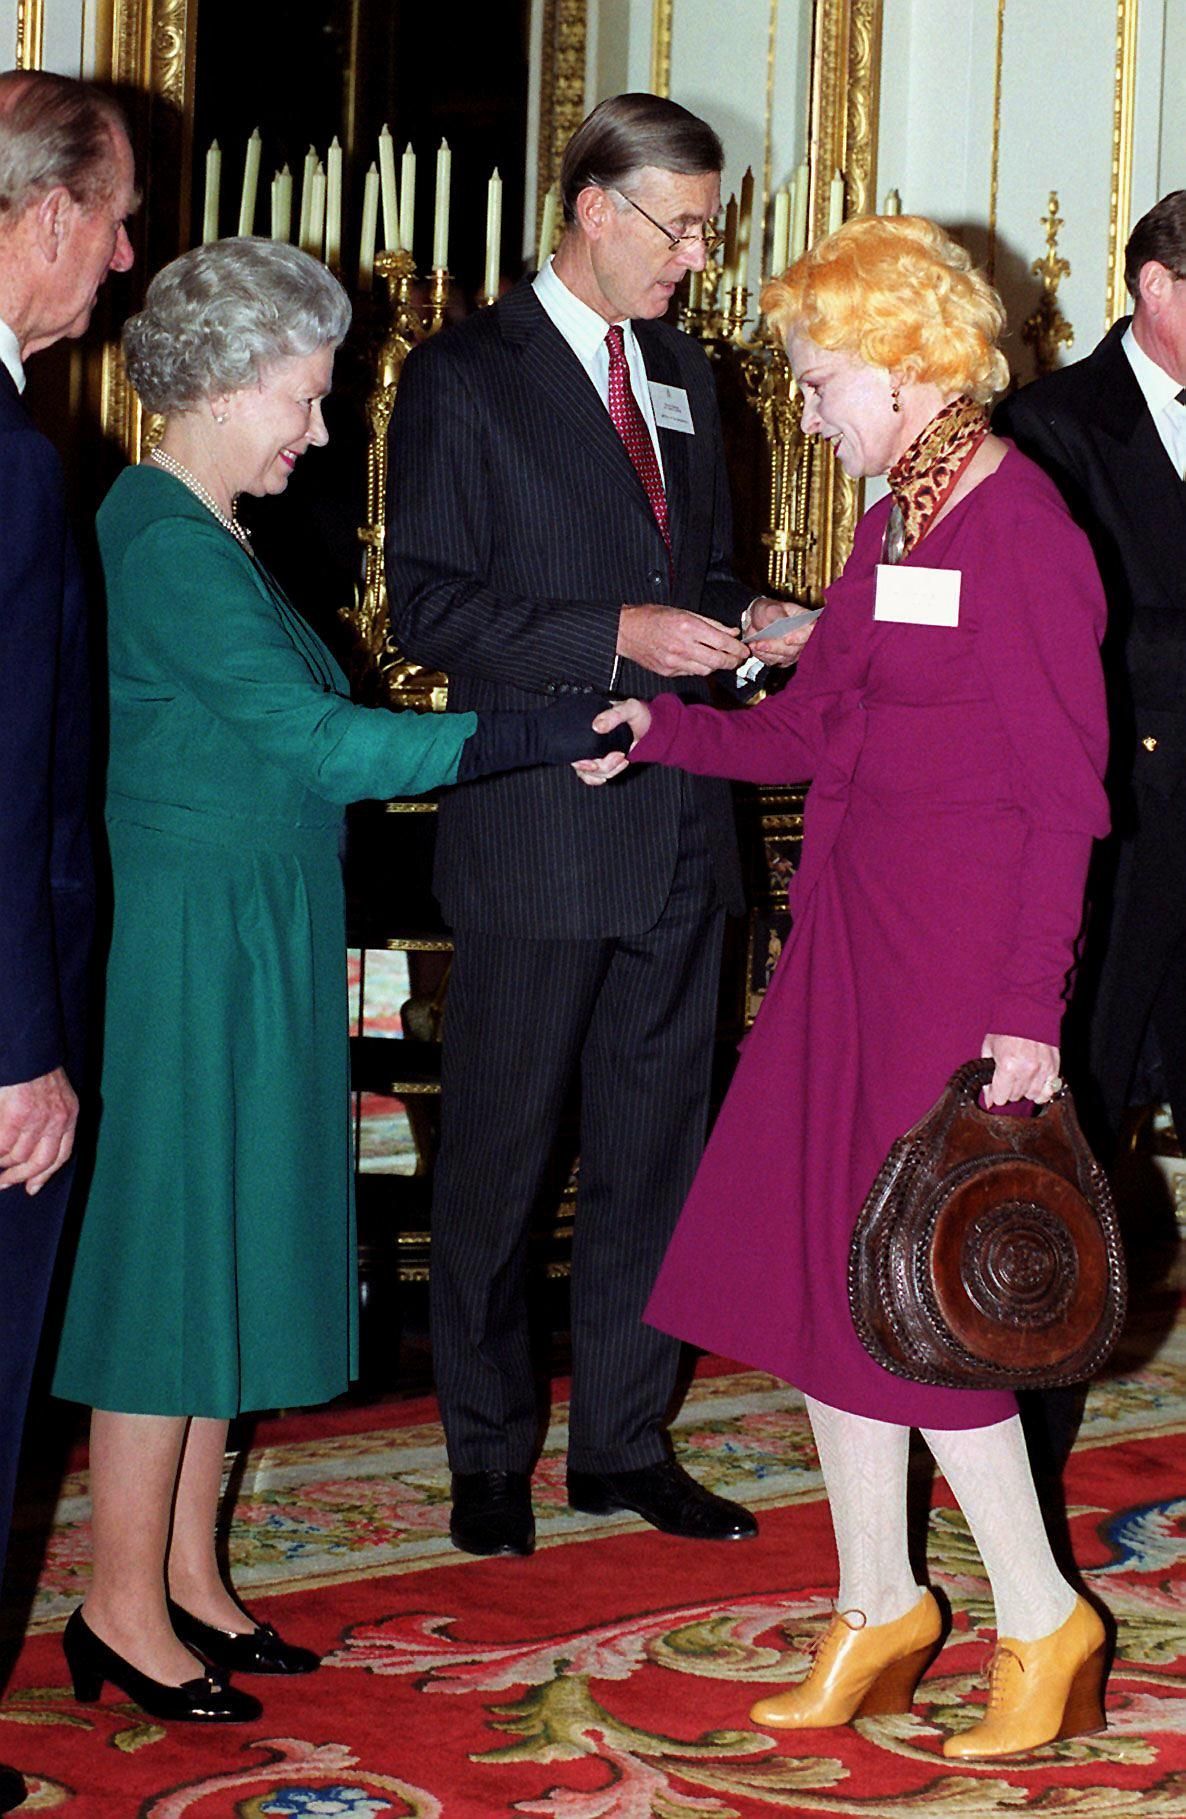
[[518, 529], [46, 884]]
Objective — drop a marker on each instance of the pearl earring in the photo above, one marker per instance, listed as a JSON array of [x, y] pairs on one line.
[[221, 416]]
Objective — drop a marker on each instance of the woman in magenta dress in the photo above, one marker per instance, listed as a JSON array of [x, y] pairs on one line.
[[949, 711]]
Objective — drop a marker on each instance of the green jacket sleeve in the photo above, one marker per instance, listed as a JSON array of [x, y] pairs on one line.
[[186, 603]]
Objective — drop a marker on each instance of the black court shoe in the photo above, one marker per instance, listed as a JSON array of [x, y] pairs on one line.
[[202, 1701], [12, 1789], [260, 1651]]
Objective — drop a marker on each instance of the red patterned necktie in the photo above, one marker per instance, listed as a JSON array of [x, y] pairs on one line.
[[631, 425]]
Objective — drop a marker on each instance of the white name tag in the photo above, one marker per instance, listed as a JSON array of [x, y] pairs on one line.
[[917, 596], [670, 404]]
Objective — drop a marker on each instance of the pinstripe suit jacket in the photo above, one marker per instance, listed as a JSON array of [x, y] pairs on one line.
[[518, 529]]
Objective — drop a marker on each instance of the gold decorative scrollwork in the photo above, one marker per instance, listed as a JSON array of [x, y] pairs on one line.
[[1123, 115], [30, 33], [1047, 329], [661, 47], [562, 85]]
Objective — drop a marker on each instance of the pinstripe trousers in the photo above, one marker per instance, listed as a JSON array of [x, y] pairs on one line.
[[631, 1019]]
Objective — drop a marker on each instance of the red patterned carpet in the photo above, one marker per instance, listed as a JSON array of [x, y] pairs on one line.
[[610, 1676]]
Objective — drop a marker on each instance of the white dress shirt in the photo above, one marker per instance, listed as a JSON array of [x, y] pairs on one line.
[[584, 330], [10, 355], [1160, 392]]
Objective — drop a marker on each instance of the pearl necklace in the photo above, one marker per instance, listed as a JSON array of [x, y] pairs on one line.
[[172, 466]]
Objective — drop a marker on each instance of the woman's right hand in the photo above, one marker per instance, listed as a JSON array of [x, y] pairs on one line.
[[634, 714]]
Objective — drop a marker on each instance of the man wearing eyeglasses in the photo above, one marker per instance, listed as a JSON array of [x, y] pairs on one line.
[[560, 526]]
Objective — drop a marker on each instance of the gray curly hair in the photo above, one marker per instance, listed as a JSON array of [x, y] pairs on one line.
[[216, 317]]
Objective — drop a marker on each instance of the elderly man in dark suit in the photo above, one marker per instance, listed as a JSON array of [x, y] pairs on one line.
[[559, 526], [1111, 431], [66, 188]]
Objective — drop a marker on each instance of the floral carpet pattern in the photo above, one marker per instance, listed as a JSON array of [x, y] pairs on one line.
[[610, 1676]]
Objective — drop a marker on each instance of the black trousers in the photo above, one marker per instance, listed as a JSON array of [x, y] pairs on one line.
[[30, 1227], [632, 1017]]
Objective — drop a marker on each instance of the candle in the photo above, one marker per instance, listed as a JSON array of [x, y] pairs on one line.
[[547, 227], [835, 202], [800, 192], [440, 213], [407, 199], [729, 269], [781, 237], [333, 205], [316, 212], [893, 203], [370, 224], [745, 216], [250, 184], [493, 236], [213, 178], [307, 176], [387, 183], [695, 289], [282, 205]]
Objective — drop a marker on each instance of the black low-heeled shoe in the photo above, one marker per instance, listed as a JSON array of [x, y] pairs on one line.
[[260, 1651], [202, 1701]]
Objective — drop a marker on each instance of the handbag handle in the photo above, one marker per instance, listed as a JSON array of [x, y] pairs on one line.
[[969, 1080]]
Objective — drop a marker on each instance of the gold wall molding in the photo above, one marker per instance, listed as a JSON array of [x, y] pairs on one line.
[[151, 54], [845, 65], [995, 158], [30, 34], [1123, 114], [1047, 329], [562, 88], [768, 133], [661, 17]]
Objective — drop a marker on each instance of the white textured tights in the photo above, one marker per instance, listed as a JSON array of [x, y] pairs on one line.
[[987, 1470]]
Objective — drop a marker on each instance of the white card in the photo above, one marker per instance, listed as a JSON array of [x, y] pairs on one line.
[[917, 596], [670, 404]]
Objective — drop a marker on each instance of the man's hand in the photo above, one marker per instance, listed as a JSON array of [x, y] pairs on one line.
[[37, 1120], [1024, 1070], [671, 642], [634, 714], [779, 653]]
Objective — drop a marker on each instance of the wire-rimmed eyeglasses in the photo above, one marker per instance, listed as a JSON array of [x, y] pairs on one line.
[[705, 232]]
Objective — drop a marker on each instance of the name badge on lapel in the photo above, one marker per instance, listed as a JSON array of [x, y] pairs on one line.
[[670, 404], [917, 596]]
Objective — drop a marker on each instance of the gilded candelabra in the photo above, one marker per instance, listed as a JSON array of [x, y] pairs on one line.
[[385, 670], [1047, 329], [718, 318]]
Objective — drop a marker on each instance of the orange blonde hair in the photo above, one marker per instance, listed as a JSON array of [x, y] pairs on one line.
[[901, 294]]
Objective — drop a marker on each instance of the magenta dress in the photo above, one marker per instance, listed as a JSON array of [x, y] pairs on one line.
[[956, 788]]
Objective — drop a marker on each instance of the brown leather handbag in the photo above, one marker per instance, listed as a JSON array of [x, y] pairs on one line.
[[987, 1254]]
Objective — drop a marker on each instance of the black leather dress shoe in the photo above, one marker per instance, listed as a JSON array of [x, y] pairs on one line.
[[665, 1496], [260, 1651], [207, 1700], [12, 1789], [492, 1513]]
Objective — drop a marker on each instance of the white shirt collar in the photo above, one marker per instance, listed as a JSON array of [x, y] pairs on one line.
[[582, 327], [1159, 387], [10, 355]]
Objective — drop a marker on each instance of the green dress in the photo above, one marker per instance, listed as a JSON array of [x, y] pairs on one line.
[[216, 1267]]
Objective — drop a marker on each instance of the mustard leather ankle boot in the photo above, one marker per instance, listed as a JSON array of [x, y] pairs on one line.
[[1040, 1692], [862, 1670]]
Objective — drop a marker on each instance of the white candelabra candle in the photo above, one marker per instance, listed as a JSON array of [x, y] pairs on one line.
[[210, 204], [370, 227], [440, 212], [316, 213], [407, 199], [333, 205], [780, 240], [387, 185], [250, 183], [282, 205], [493, 236], [800, 193], [547, 227], [835, 202], [307, 175]]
